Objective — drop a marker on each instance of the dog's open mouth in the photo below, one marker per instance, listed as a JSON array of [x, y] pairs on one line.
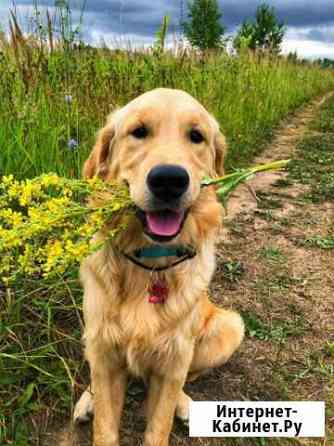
[[162, 225]]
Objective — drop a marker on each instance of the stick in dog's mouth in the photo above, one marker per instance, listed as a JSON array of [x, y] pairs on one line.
[[162, 225]]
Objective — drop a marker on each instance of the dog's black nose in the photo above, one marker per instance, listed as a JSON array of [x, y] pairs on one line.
[[168, 182]]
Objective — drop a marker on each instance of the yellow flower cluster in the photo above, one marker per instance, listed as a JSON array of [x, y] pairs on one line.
[[46, 225]]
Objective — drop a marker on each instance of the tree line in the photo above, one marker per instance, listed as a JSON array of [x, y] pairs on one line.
[[205, 31]]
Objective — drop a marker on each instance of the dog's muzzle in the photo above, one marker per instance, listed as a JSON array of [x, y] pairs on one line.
[[168, 183], [164, 218]]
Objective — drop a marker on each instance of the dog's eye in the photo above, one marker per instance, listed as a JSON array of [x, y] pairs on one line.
[[196, 136], [140, 132]]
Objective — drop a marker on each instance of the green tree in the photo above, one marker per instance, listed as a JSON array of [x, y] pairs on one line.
[[265, 33], [326, 63], [203, 29], [245, 38]]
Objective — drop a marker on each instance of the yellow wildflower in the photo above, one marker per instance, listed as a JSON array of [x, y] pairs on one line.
[[45, 226]]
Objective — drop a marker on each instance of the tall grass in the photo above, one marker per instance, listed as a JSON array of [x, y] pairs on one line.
[[55, 94]]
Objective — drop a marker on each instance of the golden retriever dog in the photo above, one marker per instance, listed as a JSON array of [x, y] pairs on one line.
[[146, 306]]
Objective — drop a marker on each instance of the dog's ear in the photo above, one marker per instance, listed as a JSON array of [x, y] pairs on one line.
[[220, 153], [97, 163]]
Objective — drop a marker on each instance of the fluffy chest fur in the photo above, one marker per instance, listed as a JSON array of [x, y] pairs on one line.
[[143, 334]]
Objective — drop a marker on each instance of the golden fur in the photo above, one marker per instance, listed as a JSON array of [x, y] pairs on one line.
[[125, 333]]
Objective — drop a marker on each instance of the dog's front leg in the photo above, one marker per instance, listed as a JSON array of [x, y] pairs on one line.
[[163, 396], [109, 385]]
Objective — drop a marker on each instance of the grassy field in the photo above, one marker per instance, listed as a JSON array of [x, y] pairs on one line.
[[51, 106]]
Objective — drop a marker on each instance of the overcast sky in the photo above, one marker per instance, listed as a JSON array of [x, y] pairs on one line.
[[310, 23]]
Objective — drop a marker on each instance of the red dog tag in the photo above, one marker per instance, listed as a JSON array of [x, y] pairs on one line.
[[158, 292]]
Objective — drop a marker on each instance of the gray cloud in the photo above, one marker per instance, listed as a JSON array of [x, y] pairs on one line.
[[128, 16], [298, 13], [145, 15], [318, 35], [310, 20]]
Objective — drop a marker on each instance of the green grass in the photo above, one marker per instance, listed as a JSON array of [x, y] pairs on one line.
[[40, 354], [232, 271], [272, 254], [277, 331], [249, 96], [314, 162], [321, 242], [324, 122], [41, 363]]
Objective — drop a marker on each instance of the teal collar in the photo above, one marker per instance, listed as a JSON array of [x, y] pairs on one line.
[[182, 252], [156, 251]]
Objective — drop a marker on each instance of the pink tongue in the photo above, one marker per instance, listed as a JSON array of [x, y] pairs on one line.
[[164, 223]]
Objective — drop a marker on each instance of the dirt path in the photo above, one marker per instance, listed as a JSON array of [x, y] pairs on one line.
[[284, 290], [282, 284], [283, 145]]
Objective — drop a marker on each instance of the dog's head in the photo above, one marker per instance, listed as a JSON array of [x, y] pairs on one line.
[[162, 144]]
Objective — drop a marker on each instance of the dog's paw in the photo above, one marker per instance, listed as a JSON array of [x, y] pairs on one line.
[[84, 408], [182, 408]]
